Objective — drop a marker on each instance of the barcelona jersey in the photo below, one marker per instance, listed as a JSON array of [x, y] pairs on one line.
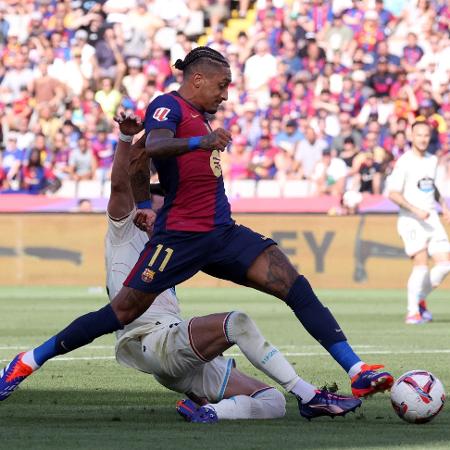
[[195, 196]]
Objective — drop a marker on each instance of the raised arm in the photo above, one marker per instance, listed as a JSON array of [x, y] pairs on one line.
[[140, 173], [121, 201]]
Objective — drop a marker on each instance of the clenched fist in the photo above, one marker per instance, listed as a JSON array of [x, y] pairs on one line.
[[216, 140]]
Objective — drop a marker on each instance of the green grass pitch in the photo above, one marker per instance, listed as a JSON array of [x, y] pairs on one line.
[[85, 400]]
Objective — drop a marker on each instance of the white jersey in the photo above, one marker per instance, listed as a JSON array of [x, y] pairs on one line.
[[124, 243], [414, 176]]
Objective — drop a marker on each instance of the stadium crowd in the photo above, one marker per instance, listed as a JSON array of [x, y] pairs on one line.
[[322, 97]]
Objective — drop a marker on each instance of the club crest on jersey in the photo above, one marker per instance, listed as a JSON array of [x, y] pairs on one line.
[[147, 275], [161, 114], [214, 162]]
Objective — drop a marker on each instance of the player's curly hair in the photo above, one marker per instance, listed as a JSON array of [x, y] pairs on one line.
[[200, 54]]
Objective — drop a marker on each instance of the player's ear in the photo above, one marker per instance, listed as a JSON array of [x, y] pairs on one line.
[[198, 80]]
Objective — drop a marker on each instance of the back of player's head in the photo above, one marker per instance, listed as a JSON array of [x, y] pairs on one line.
[[200, 56]]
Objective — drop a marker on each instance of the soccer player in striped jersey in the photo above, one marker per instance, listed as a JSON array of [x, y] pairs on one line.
[[186, 355], [194, 231]]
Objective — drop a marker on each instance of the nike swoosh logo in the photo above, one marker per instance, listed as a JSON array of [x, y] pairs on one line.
[[63, 346], [194, 115]]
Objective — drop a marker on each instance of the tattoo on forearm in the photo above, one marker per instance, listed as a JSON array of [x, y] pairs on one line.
[[140, 185], [280, 273]]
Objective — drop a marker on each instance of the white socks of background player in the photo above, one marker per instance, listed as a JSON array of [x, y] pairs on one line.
[[418, 280], [266, 404], [422, 281], [242, 331]]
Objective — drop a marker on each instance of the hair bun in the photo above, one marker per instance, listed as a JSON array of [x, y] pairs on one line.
[[179, 64]]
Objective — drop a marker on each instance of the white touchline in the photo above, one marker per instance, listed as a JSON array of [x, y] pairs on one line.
[[374, 352]]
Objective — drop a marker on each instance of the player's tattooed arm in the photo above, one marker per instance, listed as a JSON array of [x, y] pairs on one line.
[[400, 200], [120, 202], [140, 174], [161, 143]]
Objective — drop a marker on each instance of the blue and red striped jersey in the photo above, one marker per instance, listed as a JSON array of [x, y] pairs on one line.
[[195, 194]]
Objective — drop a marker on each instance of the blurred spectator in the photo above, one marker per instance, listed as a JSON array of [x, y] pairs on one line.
[[108, 97], [12, 160], [412, 53], [308, 153], [338, 36], [135, 81], [18, 77], [259, 69], [109, 57], [103, 150], [235, 163], [329, 174], [36, 179], [338, 70], [84, 205], [82, 162], [400, 146], [289, 138], [250, 123], [346, 130], [58, 159], [262, 160], [368, 175]]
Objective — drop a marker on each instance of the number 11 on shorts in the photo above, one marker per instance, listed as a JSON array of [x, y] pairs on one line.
[[169, 252]]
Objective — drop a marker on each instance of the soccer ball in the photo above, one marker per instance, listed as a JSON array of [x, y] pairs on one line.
[[417, 396]]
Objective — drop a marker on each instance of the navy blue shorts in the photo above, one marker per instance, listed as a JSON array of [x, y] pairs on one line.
[[171, 257]]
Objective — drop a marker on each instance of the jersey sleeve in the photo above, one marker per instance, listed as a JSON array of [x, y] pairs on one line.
[[163, 113], [397, 177]]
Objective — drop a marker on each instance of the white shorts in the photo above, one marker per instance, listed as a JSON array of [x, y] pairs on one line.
[[165, 351], [427, 234]]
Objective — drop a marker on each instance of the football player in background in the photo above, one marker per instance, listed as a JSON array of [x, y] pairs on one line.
[[186, 355], [412, 187]]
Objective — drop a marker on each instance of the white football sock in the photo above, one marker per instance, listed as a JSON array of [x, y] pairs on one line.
[[439, 272], [304, 390], [267, 404], [415, 282], [242, 331], [28, 359], [426, 287], [355, 369]]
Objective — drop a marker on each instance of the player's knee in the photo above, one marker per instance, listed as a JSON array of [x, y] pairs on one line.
[[274, 402], [239, 324]]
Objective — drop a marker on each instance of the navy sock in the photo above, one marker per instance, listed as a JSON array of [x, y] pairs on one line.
[[80, 332], [316, 318], [319, 322]]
